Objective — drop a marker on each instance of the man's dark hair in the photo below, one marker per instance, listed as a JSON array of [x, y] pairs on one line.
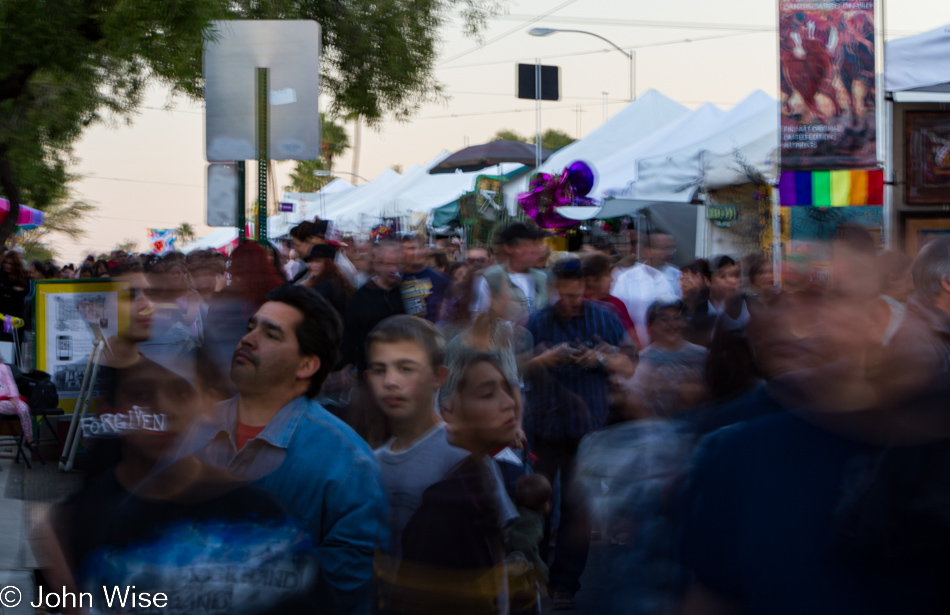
[[303, 231], [931, 268], [403, 328], [700, 266], [719, 262], [658, 307], [533, 491], [568, 269], [318, 334], [595, 265]]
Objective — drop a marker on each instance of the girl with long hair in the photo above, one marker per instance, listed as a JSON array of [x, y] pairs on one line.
[[326, 278]]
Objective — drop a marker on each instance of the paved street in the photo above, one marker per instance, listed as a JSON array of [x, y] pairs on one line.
[[25, 496]]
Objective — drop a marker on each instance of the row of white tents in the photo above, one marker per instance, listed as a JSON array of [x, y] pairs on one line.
[[655, 149]]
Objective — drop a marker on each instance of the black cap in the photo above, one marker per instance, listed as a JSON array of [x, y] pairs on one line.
[[323, 250], [519, 230]]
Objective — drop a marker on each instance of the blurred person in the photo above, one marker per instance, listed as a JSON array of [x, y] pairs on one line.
[[85, 273], [438, 261], [11, 402], [578, 345], [695, 292], [303, 237], [375, 301], [725, 301], [327, 279], [642, 284], [68, 272], [533, 496], [804, 470], [597, 283], [14, 288], [37, 270], [528, 286], [102, 269], [157, 526], [669, 374], [204, 274], [364, 269], [326, 233], [406, 368], [660, 253], [757, 276], [453, 546], [919, 352], [456, 309], [896, 288], [510, 343], [423, 289], [626, 476], [275, 434], [452, 246], [479, 258], [252, 277]]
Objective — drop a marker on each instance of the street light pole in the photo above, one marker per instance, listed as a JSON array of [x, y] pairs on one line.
[[631, 55]]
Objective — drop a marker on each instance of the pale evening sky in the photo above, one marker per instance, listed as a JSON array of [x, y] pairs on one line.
[[152, 173]]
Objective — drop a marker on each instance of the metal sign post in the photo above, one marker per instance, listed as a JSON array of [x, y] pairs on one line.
[[86, 391], [262, 105]]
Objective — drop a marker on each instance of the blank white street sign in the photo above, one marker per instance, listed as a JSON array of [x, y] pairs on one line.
[[291, 51]]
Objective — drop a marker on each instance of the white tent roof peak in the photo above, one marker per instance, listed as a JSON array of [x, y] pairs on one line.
[[649, 113], [918, 61]]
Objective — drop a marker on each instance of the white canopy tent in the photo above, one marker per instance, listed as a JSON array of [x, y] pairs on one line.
[[675, 175], [645, 116], [916, 68]]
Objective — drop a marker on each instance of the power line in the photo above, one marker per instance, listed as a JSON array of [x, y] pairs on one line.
[[642, 23], [604, 50], [573, 107], [517, 28], [139, 181], [510, 94]]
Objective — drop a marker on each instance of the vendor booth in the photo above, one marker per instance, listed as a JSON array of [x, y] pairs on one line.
[[917, 84]]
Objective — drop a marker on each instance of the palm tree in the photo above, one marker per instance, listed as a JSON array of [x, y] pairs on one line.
[[333, 142], [185, 232]]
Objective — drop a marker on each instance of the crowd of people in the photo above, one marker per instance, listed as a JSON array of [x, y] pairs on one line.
[[413, 428]]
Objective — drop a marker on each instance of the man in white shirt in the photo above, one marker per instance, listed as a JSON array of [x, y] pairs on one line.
[[528, 286]]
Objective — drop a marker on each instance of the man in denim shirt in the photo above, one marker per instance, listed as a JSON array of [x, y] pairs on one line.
[[275, 434]]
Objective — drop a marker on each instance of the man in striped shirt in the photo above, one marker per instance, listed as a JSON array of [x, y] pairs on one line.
[[579, 345]]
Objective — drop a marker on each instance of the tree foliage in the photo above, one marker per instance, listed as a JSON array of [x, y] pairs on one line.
[[64, 216], [185, 232], [552, 139], [333, 142], [70, 64]]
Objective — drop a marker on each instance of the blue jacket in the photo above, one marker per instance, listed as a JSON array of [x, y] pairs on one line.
[[323, 474]]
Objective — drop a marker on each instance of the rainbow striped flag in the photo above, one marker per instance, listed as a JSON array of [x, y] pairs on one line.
[[831, 188]]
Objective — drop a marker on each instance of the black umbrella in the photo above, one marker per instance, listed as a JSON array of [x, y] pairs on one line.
[[479, 157]]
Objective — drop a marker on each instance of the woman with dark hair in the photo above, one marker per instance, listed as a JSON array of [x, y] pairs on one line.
[[456, 309], [14, 287], [326, 278], [101, 269]]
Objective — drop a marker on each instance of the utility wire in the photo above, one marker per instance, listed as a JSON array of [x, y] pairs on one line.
[[139, 181], [604, 50], [517, 28]]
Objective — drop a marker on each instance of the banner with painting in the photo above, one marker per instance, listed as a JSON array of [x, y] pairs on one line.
[[828, 89], [161, 241]]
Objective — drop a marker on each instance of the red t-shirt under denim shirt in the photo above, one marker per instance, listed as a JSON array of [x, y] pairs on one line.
[[245, 433]]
